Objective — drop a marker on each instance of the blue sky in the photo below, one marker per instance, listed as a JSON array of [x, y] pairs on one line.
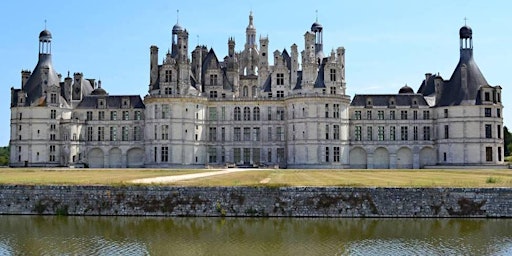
[[388, 43]]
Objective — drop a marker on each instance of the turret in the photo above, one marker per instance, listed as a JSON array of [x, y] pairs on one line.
[[153, 67], [250, 33]]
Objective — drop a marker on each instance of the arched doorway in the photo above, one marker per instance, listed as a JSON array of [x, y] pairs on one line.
[[115, 160], [381, 158], [96, 158], [358, 158], [404, 158], [427, 157], [135, 158]]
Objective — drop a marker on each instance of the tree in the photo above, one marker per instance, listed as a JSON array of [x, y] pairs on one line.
[[4, 156], [507, 141]]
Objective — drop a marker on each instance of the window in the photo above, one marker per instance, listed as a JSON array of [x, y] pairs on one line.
[[446, 132], [488, 131], [53, 98], [381, 133], [165, 132], [223, 134], [488, 154], [336, 132], [113, 133], [213, 79], [53, 114], [357, 115], [426, 114], [487, 112], [155, 134], [280, 78], [499, 154], [358, 133], [237, 155], [426, 133], [280, 133], [326, 131], [256, 114], [167, 90], [336, 111], [124, 133], [369, 114], [245, 91], [126, 115], [392, 133], [237, 134], [280, 94], [333, 90], [498, 112], [247, 114], [269, 113], [89, 115], [247, 134], [164, 154], [256, 133], [498, 131], [269, 137], [415, 115], [404, 134], [101, 133], [165, 111], [445, 113], [136, 133], [327, 154], [392, 115], [101, 115], [237, 114], [336, 154], [89, 133], [280, 113], [213, 94], [487, 96], [212, 113], [212, 155], [369, 133], [212, 134], [223, 113], [415, 133], [403, 114], [380, 114], [156, 153], [326, 110], [333, 75], [113, 115], [168, 76], [137, 115]]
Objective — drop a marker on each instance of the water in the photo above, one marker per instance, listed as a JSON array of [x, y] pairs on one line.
[[37, 235]]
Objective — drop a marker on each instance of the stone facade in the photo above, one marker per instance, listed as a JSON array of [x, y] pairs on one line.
[[256, 201], [248, 110]]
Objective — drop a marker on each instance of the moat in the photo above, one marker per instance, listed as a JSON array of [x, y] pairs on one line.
[[54, 235]]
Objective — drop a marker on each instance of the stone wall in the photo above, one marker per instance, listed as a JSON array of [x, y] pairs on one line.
[[256, 201]]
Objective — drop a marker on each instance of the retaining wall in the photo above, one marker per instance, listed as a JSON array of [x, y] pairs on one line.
[[256, 201]]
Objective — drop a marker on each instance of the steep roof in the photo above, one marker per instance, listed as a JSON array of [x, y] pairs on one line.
[[34, 85], [383, 100], [112, 102]]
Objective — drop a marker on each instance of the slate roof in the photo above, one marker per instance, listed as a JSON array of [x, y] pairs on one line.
[[428, 87], [320, 83], [112, 102], [298, 85], [383, 100], [33, 86]]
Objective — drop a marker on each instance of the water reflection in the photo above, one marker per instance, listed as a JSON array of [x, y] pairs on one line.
[[37, 235]]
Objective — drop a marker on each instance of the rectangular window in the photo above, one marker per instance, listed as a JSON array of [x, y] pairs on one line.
[[380, 114], [336, 111], [269, 113], [358, 133], [369, 114], [446, 132], [415, 133], [488, 154], [280, 113], [333, 75], [369, 133], [333, 90], [256, 132], [487, 112], [113, 115], [168, 76], [280, 133], [247, 134], [113, 133], [53, 114], [392, 133], [326, 110], [404, 134], [499, 154], [269, 133], [445, 113], [426, 114], [137, 115], [280, 94], [213, 79], [213, 94], [381, 133], [403, 114], [326, 131], [336, 154], [269, 155], [223, 134], [426, 133], [212, 155], [165, 132], [237, 134], [89, 133], [124, 135], [498, 131], [136, 133], [223, 113], [280, 78], [165, 111], [101, 115], [357, 115], [212, 113], [487, 96], [101, 133], [247, 155], [53, 98], [89, 115], [336, 132], [164, 154], [392, 115], [126, 115], [498, 112], [488, 131], [327, 154], [415, 115]]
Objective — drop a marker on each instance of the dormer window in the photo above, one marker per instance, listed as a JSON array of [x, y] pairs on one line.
[[487, 96], [392, 103], [369, 103], [125, 103], [101, 103]]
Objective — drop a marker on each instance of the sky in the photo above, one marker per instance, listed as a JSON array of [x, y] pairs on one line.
[[388, 43]]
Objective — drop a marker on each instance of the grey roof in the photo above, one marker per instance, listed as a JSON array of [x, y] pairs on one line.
[[453, 92], [298, 85], [267, 86], [466, 32], [383, 100], [405, 89], [320, 83], [428, 86], [34, 85], [112, 102], [287, 59]]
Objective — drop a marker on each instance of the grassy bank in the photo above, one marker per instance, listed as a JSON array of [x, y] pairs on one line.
[[355, 178]]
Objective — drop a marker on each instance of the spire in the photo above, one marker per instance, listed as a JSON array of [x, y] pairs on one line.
[[250, 31]]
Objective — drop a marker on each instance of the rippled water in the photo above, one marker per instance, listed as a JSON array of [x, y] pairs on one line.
[[36, 235]]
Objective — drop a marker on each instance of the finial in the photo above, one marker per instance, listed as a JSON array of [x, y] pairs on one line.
[[45, 24], [316, 11], [198, 40], [465, 19], [178, 16]]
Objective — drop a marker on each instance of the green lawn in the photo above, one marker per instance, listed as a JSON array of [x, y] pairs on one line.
[[272, 178]]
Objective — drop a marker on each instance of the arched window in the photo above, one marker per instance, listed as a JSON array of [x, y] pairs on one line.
[[237, 114], [245, 92], [254, 91], [256, 114], [247, 114]]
